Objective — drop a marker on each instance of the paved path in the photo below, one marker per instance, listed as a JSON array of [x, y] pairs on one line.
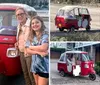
[[14, 80]]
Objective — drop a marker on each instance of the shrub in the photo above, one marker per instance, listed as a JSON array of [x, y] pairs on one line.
[[97, 68], [98, 63]]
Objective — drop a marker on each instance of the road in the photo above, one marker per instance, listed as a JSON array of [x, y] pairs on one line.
[[56, 79], [12, 80]]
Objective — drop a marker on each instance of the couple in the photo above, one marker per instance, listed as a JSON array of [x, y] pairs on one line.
[[32, 43]]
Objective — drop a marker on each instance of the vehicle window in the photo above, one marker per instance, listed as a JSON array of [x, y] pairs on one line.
[[62, 57], [7, 18], [8, 23], [14, 21], [61, 13], [78, 56], [71, 12], [1, 18], [83, 11], [85, 57], [66, 14], [76, 11]]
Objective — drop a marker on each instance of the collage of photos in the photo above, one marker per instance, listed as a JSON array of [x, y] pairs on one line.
[[49, 42]]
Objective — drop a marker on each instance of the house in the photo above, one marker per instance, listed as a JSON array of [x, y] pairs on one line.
[[93, 48], [57, 48]]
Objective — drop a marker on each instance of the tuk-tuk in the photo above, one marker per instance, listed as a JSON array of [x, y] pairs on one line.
[[9, 58], [73, 17], [77, 63]]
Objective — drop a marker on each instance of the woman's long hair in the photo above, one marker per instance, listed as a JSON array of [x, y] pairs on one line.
[[42, 29]]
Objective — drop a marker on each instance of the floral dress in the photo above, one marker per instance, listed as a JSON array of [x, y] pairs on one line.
[[39, 64]]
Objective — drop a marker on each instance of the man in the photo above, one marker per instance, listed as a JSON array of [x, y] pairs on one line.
[[71, 59], [22, 35]]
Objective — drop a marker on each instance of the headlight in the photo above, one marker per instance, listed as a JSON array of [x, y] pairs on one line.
[[12, 52], [86, 66], [93, 65]]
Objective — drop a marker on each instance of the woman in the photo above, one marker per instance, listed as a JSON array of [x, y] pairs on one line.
[[38, 42]]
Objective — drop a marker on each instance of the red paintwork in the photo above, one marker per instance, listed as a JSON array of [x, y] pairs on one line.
[[68, 23], [7, 8], [63, 66], [8, 66], [84, 71]]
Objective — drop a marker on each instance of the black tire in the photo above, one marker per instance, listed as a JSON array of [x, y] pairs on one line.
[[92, 77], [72, 29], [61, 29], [62, 73], [88, 28]]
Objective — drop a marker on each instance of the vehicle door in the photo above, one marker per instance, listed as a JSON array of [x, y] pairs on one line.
[[78, 17], [85, 17], [62, 63]]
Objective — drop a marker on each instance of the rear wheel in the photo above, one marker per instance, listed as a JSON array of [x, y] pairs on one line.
[[88, 28], [71, 29], [92, 77], [62, 73], [61, 29]]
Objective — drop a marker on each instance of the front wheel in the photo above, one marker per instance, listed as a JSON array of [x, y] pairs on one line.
[[62, 73], [92, 77]]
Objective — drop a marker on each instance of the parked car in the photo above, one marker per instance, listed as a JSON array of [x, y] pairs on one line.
[[73, 17], [9, 58], [77, 63]]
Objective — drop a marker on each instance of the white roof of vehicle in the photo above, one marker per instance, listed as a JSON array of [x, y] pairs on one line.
[[25, 6], [75, 52], [68, 8]]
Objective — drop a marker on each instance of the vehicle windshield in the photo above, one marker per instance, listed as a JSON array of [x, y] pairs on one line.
[[85, 57], [8, 22], [62, 57]]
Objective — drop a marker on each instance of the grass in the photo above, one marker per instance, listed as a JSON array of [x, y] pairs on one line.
[[77, 37]]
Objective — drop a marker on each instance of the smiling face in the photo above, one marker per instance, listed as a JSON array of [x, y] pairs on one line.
[[21, 15], [36, 25]]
